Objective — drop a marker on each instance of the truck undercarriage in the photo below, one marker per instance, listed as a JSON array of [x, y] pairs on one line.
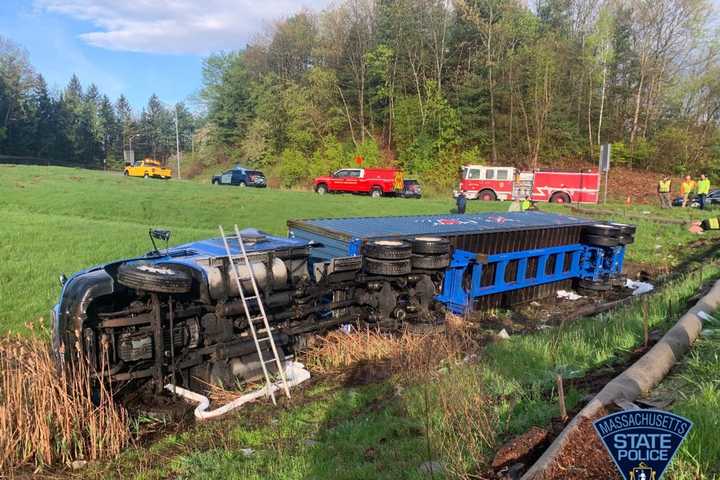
[[178, 316]]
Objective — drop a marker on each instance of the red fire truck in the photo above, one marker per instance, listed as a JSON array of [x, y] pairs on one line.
[[507, 183]]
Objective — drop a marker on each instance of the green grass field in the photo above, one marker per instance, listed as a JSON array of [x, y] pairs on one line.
[[694, 388], [61, 220]]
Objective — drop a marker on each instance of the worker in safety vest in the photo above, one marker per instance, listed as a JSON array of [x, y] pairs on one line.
[[703, 188], [686, 188], [664, 187], [525, 204]]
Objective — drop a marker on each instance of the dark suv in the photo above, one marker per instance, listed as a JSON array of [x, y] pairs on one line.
[[411, 189], [242, 177]]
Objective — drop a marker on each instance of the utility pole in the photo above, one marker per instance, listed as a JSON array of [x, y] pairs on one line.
[[177, 142]]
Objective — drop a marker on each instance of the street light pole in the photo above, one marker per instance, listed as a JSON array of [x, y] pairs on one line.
[[177, 142], [131, 137]]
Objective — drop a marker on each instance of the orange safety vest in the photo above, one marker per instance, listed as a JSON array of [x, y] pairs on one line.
[[687, 187]]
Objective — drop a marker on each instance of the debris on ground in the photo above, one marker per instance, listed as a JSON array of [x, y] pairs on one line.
[[568, 295], [78, 464], [503, 335], [695, 227], [430, 468], [520, 448], [295, 373], [247, 452], [638, 287], [515, 472]]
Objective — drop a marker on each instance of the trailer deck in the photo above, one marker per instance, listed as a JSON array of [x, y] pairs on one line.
[[347, 229], [498, 258]]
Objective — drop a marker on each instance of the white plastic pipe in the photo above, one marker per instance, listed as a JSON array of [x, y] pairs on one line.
[[295, 374]]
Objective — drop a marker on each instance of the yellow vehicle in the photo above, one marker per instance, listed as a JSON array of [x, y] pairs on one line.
[[148, 168]]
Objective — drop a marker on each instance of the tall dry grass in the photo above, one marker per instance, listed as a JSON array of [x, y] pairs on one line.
[[48, 417], [405, 352]]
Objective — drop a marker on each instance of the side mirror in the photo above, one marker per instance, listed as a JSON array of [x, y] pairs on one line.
[[159, 234]]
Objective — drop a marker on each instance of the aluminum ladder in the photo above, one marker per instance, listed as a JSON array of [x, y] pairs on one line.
[[266, 334]]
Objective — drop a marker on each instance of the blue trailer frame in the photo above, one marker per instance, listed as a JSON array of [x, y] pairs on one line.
[[463, 279]]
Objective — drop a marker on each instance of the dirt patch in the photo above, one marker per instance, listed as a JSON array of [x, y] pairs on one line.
[[583, 456], [519, 449]]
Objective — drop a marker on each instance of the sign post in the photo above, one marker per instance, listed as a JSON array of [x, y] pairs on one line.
[[605, 166]]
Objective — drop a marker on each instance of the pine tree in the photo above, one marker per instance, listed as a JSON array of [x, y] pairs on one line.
[[46, 120]]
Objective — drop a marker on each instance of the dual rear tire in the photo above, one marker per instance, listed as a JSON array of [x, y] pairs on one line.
[[608, 234], [400, 257]]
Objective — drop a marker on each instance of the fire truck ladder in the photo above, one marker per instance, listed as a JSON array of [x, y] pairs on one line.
[[265, 332]]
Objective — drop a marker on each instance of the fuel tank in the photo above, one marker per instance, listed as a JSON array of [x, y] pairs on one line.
[[269, 273]]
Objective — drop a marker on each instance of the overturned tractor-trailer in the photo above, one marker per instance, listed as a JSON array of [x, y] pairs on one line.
[[177, 316]]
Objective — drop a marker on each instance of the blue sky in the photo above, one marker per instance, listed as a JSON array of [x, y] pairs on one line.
[[136, 47]]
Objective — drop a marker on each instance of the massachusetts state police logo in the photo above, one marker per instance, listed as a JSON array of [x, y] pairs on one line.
[[642, 442]]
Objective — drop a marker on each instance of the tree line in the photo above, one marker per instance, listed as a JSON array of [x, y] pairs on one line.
[[76, 125], [426, 85], [430, 84]]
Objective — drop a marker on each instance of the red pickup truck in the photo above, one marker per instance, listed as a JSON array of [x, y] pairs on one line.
[[375, 181]]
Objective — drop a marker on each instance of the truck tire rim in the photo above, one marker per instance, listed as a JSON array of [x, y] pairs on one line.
[[389, 243]]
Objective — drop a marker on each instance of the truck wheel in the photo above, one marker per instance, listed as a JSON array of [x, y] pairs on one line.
[[126, 173], [151, 277], [322, 189], [487, 196], [599, 241], [146, 176], [431, 262], [242, 185], [376, 193], [387, 267], [602, 230], [560, 197], [431, 245], [387, 249]]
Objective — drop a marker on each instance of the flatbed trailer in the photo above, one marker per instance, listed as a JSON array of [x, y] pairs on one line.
[[498, 259]]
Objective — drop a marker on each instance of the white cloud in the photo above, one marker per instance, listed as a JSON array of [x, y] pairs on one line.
[[175, 26]]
